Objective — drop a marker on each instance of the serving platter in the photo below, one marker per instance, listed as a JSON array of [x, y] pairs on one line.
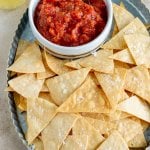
[[137, 8]]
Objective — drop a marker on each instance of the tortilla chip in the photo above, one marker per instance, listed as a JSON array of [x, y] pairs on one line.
[[139, 46], [138, 141], [9, 89], [112, 85], [30, 61], [56, 65], [57, 130], [101, 62], [61, 87], [119, 64], [93, 77], [39, 113], [82, 127], [78, 142], [74, 64], [22, 105], [26, 85], [138, 82], [22, 46], [87, 98], [44, 88], [38, 144], [114, 142], [122, 16], [103, 127], [123, 56], [128, 128], [135, 106], [46, 96], [48, 73], [118, 42], [98, 116], [144, 125], [115, 30]]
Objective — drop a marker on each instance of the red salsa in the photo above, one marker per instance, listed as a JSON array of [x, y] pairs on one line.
[[70, 22]]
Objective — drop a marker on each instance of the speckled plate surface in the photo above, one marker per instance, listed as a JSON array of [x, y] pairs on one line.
[[24, 32]]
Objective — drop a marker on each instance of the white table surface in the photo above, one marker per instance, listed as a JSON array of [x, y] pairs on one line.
[[8, 24]]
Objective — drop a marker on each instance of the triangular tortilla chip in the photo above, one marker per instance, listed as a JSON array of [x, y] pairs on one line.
[[87, 98], [138, 141], [46, 96], [122, 16], [61, 87], [114, 142], [101, 62], [119, 64], [44, 88], [22, 45], [112, 85], [123, 56], [115, 30], [138, 82], [128, 128], [48, 73], [82, 127], [74, 64], [57, 130], [26, 85], [118, 42], [136, 107], [22, 104], [30, 61], [39, 113], [38, 144], [73, 142], [56, 65], [102, 126], [139, 46]]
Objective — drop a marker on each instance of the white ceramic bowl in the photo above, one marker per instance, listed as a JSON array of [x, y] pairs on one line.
[[76, 51]]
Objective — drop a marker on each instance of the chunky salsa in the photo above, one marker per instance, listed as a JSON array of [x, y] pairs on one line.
[[70, 22]]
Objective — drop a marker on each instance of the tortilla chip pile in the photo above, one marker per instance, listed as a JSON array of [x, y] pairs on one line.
[[98, 102]]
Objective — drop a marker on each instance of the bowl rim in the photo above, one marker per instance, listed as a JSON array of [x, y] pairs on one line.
[[75, 50]]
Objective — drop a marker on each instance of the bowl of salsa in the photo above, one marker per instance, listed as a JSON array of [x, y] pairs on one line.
[[71, 28]]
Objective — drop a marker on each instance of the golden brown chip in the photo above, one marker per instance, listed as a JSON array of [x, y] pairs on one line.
[[82, 127], [119, 64], [114, 142], [22, 104], [135, 106], [122, 16], [44, 88], [57, 130], [112, 85], [61, 87], [46, 96], [123, 56], [38, 144], [74, 64], [78, 142], [139, 46], [128, 128], [39, 113], [118, 42], [22, 45], [87, 98], [48, 73], [26, 85], [56, 65], [115, 30], [99, 62], [138, 141], [102, 126], [138, 82], [30, 61]]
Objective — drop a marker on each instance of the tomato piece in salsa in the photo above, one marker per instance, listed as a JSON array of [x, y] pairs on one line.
[[70, 22]]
